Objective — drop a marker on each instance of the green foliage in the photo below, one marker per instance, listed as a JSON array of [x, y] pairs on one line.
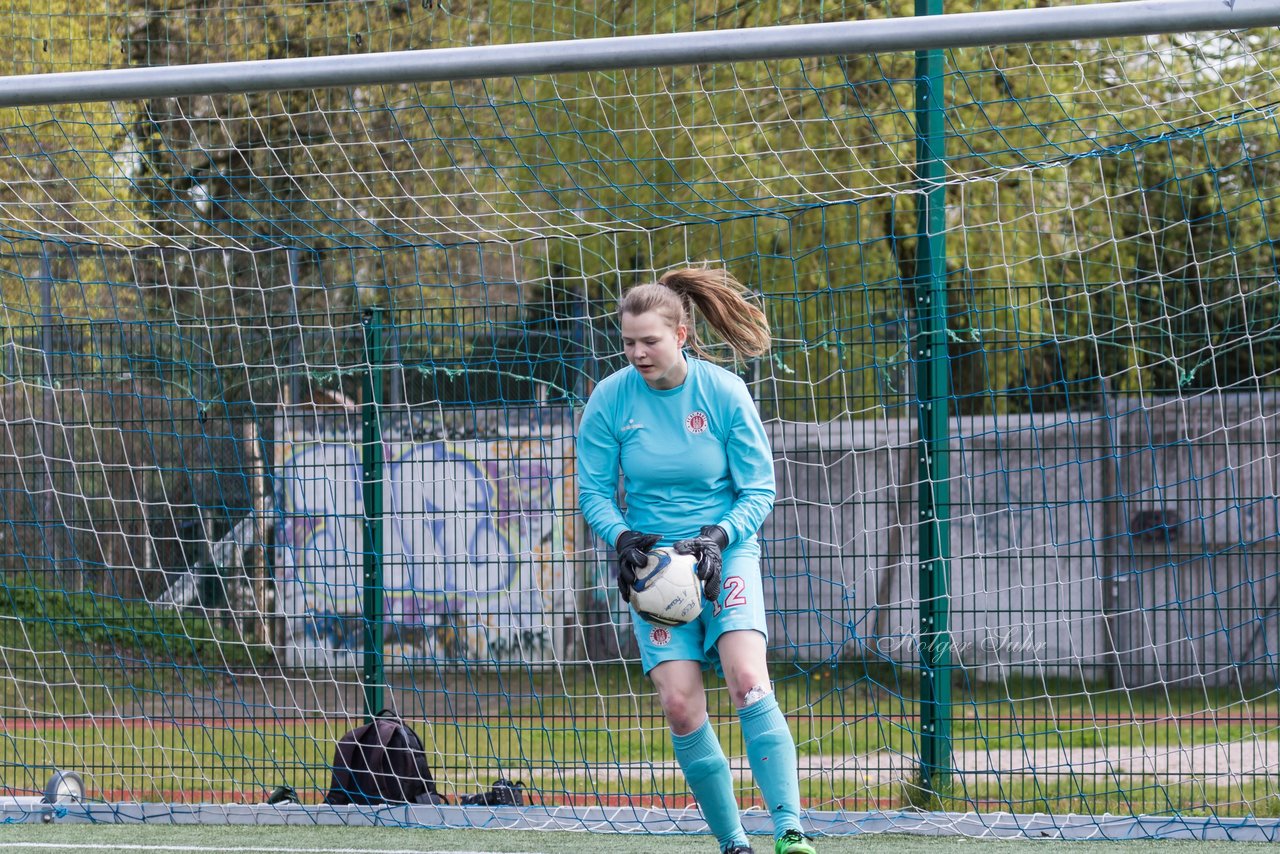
[[79, 653], [90, 625], [1109, 204]]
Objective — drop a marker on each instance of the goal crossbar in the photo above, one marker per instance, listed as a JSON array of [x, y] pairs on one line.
[[969, 29]]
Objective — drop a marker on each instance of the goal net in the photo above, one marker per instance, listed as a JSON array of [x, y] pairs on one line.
[[290, 381]]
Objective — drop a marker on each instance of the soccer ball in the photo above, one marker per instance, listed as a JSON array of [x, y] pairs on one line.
[[667, 591]]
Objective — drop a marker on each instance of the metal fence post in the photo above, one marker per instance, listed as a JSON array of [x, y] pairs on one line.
[[372, 482], [933, 388]]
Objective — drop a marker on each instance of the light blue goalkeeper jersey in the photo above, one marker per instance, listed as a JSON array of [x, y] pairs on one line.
[[690, 456]]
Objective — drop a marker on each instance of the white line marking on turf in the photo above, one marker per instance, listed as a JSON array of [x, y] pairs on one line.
[[90, 846]]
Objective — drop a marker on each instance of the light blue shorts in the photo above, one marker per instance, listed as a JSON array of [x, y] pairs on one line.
[[740, 606]]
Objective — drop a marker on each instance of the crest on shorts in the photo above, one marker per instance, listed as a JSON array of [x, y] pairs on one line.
[[660, 636], [696, 422]]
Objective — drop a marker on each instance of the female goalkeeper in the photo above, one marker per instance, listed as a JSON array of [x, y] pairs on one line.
[[697, 473]]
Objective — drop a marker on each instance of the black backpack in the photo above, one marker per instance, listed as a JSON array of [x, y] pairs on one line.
[[382, 762]]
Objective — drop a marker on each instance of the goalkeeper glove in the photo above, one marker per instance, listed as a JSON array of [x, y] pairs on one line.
[[706, 548], [633, 555]]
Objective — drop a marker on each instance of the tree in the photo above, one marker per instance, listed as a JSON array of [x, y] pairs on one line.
[[799, 174]]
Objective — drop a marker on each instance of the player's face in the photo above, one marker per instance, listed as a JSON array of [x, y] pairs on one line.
[[653, 346]]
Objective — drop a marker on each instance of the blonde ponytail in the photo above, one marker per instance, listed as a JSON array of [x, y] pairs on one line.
[[721, 299]]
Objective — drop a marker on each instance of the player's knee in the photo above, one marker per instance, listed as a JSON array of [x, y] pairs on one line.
[[754, 694], [683, 715]]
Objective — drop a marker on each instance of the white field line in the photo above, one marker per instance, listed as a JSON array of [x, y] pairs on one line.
[[273, 849]]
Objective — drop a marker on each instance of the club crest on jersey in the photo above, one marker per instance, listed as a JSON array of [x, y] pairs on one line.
[[696, 422], [660, 636]]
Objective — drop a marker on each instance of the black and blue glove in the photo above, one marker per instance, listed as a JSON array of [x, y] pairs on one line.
[[633, 555], [706, 548]]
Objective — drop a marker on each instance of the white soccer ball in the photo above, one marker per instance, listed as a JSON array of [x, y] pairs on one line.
[[667, 591]]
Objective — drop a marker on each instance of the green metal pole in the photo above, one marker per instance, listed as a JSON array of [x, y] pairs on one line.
[[933, 384], [371, 480]]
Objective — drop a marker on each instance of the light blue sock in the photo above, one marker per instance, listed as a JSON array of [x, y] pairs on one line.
[[772, 753], [707, 771]]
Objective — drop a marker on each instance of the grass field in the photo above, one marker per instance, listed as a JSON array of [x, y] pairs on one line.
[[579, 756], [125, 696], [155, 839]]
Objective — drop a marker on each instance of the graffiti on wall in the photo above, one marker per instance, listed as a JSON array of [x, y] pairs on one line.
[[473, 532]]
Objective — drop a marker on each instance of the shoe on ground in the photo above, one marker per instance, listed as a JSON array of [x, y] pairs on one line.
[[793, 842], [737, 848]]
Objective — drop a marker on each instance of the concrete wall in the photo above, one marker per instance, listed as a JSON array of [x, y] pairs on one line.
[[1138, 546]]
